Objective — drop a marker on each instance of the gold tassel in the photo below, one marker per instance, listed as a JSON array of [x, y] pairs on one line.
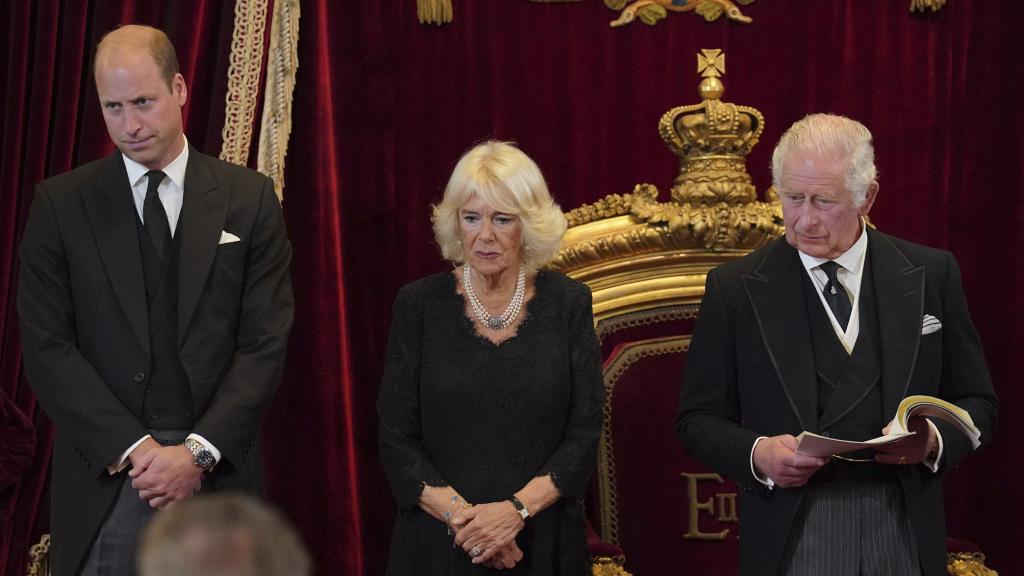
[[925, 5], [434, 11]]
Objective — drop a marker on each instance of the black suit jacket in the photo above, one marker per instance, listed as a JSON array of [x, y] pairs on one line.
[[750, 372], [85, 335]]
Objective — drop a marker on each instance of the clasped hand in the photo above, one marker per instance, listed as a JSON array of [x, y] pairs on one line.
[[164, 474], [492, 527]]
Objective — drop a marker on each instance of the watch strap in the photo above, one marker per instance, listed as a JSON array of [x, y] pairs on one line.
[[201, 455], [521, 508]]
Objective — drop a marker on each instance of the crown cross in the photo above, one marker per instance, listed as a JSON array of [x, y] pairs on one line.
[[711, 63]]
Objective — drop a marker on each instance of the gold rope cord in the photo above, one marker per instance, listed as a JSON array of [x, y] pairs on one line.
[[243, 79], [282, 64]]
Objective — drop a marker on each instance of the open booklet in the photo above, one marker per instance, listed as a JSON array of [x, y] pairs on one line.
[[816, 445]]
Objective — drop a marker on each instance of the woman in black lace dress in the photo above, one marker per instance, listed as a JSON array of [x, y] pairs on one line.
[[491, 403]]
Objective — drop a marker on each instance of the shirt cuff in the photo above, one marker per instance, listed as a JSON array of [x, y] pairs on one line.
[[933, 464], [122, 461], [209, 446], [765, 480]]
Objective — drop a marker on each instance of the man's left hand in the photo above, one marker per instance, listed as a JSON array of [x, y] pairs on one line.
[[912, 449], [166, 475]]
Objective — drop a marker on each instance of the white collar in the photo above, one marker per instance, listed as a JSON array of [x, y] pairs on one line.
[[852, 260], [175, 170]]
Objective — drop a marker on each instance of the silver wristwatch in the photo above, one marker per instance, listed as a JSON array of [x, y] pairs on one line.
[[201, 455]]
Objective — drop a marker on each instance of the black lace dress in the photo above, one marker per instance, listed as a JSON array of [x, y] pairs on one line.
[[456, 409]]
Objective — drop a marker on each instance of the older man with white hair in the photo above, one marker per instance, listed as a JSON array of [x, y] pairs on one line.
[[826, 330]]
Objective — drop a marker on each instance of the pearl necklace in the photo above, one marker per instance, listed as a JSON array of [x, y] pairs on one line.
[[506, 318]]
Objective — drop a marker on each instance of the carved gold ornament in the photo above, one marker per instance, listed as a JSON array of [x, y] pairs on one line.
[[968, 564], [651, 11], [607, 566]]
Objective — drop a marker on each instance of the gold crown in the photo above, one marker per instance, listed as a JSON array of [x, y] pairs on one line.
[[636, 251], [712, 140]]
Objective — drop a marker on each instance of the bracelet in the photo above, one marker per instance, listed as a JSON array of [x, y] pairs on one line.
[[521, 508], [448, 514]]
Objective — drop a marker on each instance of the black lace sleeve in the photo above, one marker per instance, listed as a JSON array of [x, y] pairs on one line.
[[573, 462], [401, 452]]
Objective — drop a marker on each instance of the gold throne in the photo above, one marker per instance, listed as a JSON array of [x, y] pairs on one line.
[[645, 262]]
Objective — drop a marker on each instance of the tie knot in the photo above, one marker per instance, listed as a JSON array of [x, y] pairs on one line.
[[830, 268], [155, 178]]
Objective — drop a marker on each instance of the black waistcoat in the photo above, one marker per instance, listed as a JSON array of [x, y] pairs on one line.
[[168, 399], [852, 381]]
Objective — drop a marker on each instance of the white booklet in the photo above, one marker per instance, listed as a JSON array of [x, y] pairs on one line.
[[816, 445]]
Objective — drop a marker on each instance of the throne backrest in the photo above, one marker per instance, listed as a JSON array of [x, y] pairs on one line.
[[646, 262]]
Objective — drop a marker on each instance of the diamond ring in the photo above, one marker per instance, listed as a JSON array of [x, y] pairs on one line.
[[475, 551]]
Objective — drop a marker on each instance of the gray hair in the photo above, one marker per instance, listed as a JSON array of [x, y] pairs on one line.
[[221, 535], [506, 179], [835, 137]]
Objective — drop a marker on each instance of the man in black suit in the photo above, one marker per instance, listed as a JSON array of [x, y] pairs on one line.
[[155, 304], [826, 330]]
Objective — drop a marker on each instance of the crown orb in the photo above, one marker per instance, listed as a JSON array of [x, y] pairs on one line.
[[711, 89]]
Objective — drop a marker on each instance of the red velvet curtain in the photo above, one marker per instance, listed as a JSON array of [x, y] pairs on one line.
[[385, 106], [50, 122]]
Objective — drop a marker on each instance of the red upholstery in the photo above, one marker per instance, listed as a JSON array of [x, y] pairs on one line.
[[600, 548]]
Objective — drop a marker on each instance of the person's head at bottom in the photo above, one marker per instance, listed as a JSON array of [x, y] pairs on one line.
[[222, 535]]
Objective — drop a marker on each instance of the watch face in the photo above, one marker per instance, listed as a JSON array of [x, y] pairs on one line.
[[205, 459]]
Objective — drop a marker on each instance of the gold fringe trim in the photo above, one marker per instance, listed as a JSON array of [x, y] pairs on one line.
[[926, 5], [434, 11], [243, 79], [282, 65]]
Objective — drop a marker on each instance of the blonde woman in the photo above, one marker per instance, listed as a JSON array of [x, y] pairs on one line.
[[490, 406]]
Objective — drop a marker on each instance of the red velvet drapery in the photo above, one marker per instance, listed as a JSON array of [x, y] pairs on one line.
[[385, 106]]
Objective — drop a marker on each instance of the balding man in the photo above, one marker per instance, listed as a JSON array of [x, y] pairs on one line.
[[155, 304], [826, 330]]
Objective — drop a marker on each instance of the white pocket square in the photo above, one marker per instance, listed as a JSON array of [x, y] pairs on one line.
[[930, 324], [228, 238]]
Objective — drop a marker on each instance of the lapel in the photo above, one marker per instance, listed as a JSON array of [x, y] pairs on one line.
[[112, 214], [203, 212], [899, 294], [776, 296]]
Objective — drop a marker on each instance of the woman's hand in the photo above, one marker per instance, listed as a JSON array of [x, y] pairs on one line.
[[505, 557], [488, 526]]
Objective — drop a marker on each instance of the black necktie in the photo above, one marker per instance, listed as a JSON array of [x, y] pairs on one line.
[[836, 296], [155, 217]]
